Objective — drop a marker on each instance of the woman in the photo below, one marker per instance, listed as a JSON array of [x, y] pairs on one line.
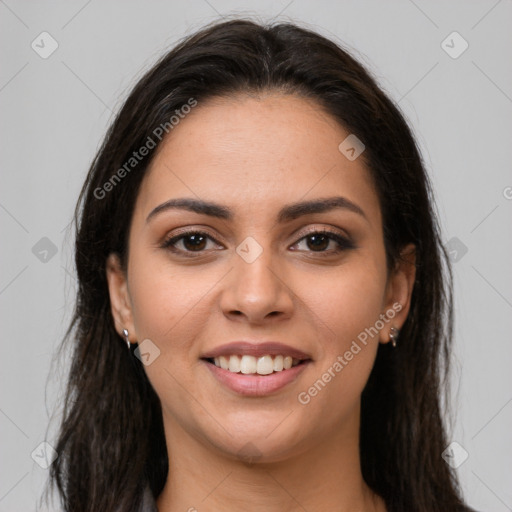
[[264, 315]]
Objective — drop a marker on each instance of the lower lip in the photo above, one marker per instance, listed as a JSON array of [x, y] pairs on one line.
[[256, 385]]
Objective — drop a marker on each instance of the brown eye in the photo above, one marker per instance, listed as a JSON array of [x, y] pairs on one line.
[[316, 242], [194, 242], [191, 241], [319, 241]]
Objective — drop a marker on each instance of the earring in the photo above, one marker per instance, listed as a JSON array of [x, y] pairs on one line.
[[393, 335], [125, 334]]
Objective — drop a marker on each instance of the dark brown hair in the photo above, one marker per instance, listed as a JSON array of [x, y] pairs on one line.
[[111, 442]]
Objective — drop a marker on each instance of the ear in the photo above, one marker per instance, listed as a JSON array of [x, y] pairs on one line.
[[399, 291], [120, 302]]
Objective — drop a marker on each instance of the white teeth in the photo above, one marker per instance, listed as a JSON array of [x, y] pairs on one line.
[[264, 365], [248, 364], [234, 364], [278, 363]]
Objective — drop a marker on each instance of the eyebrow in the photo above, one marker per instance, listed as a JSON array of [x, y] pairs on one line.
[[286, 214]]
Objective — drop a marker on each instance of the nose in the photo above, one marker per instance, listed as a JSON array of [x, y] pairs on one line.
[[257, 291]]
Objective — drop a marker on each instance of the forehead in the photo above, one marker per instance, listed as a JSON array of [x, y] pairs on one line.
[[256, 153]]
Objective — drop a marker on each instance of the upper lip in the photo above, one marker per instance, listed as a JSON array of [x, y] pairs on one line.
[[256, 349]]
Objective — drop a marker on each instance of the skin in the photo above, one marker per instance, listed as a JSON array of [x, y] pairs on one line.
[[256, 154]]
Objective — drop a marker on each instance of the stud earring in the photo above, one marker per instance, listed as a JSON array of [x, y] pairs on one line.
[[393, 335], [125, 334]]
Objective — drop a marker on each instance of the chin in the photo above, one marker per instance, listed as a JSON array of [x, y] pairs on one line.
[[265, 445]]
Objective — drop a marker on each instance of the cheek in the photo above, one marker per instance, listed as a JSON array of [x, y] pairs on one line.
[[347, 305], [345, 302], [349, 310], [171, 309], [164, 299]]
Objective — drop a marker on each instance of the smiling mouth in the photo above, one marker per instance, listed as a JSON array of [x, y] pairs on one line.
[[251, 365]]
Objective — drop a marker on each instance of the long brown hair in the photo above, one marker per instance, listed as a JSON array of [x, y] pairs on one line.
[[111, 442]]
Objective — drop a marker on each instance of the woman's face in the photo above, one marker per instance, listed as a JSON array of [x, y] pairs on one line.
[[260, 274]]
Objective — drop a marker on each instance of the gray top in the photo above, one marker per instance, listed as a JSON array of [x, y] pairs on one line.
[[148, 501]]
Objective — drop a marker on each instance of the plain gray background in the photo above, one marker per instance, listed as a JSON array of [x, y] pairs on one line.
[[55, 111]]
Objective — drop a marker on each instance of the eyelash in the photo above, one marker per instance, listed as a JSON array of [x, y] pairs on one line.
[[343, 242]]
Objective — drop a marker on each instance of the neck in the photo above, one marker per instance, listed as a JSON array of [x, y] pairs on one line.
[[325, 475]]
